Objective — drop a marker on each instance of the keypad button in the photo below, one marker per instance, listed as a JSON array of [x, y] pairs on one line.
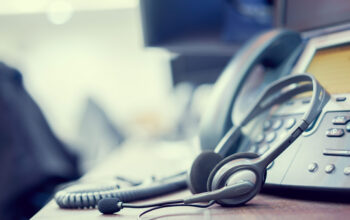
[[263, 149], [260, 138], [277, 124], [290, 123], [312, 167], [253, 148], [340, 99], [329, 168], [341, 120], [270, 137], [267, 125], [347, 171], [335, 132], [347, 127]]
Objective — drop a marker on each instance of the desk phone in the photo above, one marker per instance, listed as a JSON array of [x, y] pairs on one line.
[[320, 158]]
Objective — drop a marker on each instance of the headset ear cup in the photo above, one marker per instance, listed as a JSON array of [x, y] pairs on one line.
[[200, 170], [226, 160]]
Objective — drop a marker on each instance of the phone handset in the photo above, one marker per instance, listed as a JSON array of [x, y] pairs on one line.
[[274, 50]]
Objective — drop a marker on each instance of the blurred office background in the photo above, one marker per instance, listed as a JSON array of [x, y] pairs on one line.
[[105, 72]]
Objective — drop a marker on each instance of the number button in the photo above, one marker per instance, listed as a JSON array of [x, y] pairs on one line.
[[290, 123], [253, 148], [260, 138], [267, 125], [271, 137], [277, 124]]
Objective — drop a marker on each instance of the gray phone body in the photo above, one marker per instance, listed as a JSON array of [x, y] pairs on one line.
[[316, 160]]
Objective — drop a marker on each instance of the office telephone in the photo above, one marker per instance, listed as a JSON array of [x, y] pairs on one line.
[[316, 160], [319, 159], [236, 179]]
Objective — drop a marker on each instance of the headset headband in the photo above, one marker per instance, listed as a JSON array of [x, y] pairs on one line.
[[277, 93]]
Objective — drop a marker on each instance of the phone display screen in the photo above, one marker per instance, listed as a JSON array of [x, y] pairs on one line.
[[331, 67]]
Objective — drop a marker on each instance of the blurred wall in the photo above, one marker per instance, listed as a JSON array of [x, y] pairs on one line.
[[95, 53]]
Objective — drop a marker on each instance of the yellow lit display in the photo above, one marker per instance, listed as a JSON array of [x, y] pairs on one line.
[[331, 67]]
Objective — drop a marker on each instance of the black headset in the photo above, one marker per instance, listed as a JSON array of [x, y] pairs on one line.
[[236, 179]]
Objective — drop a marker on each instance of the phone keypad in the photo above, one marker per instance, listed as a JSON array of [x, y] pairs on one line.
[[271, 129]]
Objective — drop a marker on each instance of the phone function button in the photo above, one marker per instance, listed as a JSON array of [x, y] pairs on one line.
[[347, 171], [290, 123], [340, 99], [341, 120], [267, 125], [260, 138], [312, 167], [347, 127], [271, 137], [335, 132], [277, 124], [263, 149], [329, 168], [336, 152]]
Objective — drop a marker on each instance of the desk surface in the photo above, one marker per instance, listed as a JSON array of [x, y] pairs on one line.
[[289, 205]]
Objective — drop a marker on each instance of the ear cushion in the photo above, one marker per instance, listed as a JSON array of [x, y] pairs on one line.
[[200, 170], [236, 156]]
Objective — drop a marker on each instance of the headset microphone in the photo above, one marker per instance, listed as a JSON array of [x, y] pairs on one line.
[[230, 191], [113, 205]]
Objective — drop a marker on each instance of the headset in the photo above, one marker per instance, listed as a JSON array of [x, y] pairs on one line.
[[236, 179]]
